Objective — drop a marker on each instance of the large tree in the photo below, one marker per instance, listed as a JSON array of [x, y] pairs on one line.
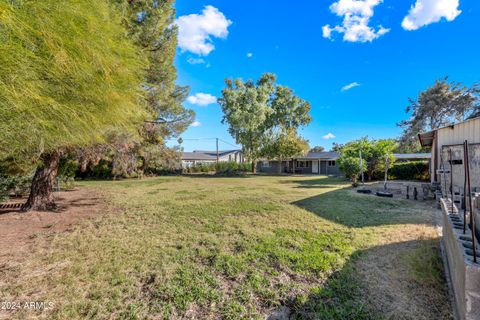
[[439, 105], [246, 109], [150, 24], [264, 118], [289, 112], [68, 75]]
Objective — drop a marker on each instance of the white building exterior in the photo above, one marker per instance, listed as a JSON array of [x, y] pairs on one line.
[[202, 157]]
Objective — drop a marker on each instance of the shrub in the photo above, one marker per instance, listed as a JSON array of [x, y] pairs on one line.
[[231, 168], [350, 166], [411, 170], [222, 168], [14, 184]]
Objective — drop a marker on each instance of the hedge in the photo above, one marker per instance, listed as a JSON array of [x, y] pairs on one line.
[[410, 170]]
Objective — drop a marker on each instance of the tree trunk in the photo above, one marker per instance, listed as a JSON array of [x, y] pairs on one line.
[[254, 167], [280, 166], [41, 192]]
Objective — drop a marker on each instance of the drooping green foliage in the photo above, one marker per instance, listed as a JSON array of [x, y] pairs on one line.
[[439, 105], [375, 154], [68, 74], [264, 118]]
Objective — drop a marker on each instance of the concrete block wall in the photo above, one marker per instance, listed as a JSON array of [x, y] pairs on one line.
[[463, 272]]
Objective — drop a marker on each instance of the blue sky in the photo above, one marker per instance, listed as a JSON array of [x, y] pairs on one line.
[[386, 51]]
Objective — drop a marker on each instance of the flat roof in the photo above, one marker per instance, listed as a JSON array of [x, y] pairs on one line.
[[412, 155]]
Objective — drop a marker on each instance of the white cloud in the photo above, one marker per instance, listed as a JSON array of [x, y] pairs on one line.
[[424, 12], [350, 86], [196, 60], [195, 31], [328, 136], [356, 18], [249, 55], [202, 99], [196, 124]]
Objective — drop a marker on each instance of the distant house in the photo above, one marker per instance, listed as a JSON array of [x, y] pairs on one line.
[[202, 157], [321, 163]]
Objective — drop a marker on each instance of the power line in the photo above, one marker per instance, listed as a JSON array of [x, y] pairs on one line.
[[198, 139]]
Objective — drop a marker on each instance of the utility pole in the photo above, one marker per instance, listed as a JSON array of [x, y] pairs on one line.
[[361, 166], [217, 150]]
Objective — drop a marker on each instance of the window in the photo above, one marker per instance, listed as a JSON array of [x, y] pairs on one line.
[[265, 164], [331, 163], [302, 164], [456, 162]]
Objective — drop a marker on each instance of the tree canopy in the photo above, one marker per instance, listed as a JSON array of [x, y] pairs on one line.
[[245, 106], [264, 117], [317, 149], [67, 75]]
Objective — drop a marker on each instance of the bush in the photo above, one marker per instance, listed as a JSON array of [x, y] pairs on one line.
[[17, 185], [222, 168], [411, 170], [231, 168], [351, 167]]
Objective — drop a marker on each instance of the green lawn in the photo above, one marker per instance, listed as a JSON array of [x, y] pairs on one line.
[[246, 247]]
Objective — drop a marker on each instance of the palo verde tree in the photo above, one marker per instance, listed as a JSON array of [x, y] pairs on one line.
[[246, 109], [439, 105], [68, 75]]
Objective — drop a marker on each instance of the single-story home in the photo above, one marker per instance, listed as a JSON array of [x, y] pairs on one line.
[[321, 163], [203, 157]]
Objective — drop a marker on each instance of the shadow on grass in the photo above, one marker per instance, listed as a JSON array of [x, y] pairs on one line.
[[352, 209], [323, 182], [409, 284]]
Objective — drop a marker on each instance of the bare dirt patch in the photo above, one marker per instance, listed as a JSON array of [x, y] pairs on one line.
[[19, 230]]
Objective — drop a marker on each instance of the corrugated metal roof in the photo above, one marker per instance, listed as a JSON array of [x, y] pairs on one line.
[[426, 138]]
